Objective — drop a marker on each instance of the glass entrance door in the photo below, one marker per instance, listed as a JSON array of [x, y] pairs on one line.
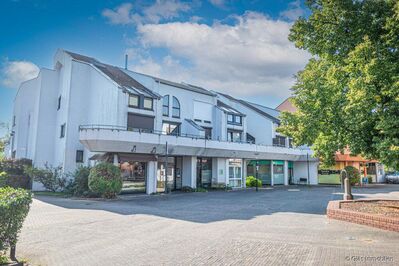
[[204, 172], [175, 165], [235, 173]]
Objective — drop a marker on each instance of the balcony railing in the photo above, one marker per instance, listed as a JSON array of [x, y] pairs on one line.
[[160, 132]]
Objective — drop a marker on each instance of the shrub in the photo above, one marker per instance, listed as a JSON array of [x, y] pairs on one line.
[[14, 166], [353, 175], [3, 179], [80, 185], [251, 182], [106, 180], [201, 189], [14, 207], [187, 189], [52, 178]]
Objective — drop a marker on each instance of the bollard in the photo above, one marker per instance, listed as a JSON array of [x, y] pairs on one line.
[[348, 193]]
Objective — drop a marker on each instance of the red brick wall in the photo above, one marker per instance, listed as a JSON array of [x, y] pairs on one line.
[[387, 223]]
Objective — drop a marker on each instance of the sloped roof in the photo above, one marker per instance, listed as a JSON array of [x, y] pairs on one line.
[[116, 74], [252, 107], [273, 112], [184, 86], [228, 109]]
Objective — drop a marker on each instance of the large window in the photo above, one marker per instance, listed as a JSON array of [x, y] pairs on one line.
[[279, 141], [170, 128], [175, 108], [134, 101], [148, 103], [234, 119], [140, 122], [165, 105], [234, 136]]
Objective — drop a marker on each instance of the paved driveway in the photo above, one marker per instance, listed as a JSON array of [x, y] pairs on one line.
[[280, 226]]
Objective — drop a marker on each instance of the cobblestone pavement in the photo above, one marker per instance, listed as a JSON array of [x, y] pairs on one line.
[[280, 226]]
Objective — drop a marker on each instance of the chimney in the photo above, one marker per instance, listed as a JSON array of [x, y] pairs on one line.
[[126, 58]]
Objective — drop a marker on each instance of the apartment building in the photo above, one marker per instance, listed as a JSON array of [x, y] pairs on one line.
[[157, 131]]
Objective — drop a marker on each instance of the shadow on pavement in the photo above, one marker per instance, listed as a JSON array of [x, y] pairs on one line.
[[217, 206]]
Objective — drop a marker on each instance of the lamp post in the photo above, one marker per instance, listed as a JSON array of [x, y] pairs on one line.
[[307, 162]]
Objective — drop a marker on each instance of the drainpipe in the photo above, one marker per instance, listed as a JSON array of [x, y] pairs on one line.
[[166, 169]]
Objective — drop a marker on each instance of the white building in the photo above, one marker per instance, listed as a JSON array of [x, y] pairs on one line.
[[84, 111]]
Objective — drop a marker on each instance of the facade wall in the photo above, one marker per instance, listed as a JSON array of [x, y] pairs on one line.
[[89, 97]]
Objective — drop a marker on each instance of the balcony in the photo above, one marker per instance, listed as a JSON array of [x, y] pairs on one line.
[[104, 138]]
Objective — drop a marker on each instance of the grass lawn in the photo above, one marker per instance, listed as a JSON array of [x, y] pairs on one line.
[[329, 179], [50, 193]]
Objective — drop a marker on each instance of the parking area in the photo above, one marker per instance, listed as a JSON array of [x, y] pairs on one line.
[[280, 226]]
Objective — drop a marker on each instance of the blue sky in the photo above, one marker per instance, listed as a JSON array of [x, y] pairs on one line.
[[238, 47]]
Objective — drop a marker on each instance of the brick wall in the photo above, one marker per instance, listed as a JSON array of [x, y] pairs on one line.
[[387, 223]]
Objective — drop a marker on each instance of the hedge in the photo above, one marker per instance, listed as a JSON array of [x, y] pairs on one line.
[[14, 207], [106, 180]]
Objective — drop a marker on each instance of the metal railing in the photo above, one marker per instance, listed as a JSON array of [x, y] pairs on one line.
[[160, 132]]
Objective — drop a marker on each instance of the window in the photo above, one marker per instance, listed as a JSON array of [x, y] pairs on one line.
[[208, 132], [165, 105], [148, 103], [234, 119], [237, 119], [59, 103], [290, 144], [62, 133], [79, 156], [169, 128], [234, 136], [13, 121], [250, 138], [279, 141], [235, 172], [133, 101], [176, 108], [140, 122]]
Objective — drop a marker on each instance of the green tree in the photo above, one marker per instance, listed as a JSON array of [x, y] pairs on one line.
[[348, 93]]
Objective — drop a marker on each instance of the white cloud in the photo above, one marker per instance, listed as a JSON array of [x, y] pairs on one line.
[[160, 10], [294, 11], [15, 72], [165, 9], [218, 3], [119, 15], [251, 57]]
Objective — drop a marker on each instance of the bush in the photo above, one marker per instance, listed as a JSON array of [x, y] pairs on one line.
[[14, 166], [353, 175], [251, 182], [14, 173], [187, 189], [14, 207], [52, 178], [3, 179], [80, 185], [106, 180]]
